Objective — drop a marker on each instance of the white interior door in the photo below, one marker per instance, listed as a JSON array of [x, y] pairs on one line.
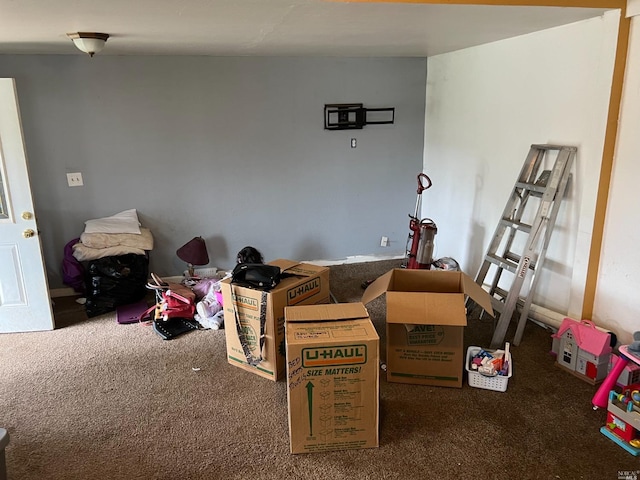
[[24, 293]]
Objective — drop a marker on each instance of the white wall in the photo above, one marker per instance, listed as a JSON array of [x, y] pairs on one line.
[[485, 107], [617, 301]]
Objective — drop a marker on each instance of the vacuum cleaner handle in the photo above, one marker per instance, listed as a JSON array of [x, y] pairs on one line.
[[422, 177]]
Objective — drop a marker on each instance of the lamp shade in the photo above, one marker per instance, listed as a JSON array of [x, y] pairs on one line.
[[194, 252], [89, 42]]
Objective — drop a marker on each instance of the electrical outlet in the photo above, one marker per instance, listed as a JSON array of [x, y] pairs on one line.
[[74, 179], [354, 143], [384, 242], [210, 272]]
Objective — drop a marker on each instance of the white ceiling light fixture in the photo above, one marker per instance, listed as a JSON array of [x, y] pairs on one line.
[[89, 42]]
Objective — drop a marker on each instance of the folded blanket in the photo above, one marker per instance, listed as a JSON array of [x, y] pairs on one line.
[[83, 253], [144, 241], [123, 222]]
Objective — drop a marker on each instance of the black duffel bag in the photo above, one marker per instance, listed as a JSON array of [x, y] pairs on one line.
[[256, 275]]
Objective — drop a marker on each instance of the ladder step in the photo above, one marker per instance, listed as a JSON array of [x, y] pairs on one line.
[[509, 262], [532, 187], [539, 187], [504, 293], [501, 292], [498, 305], [549, 146], [514, 257], [523, 227], [501, 262]]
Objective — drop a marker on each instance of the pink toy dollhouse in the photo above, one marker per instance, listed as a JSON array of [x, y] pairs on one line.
[[582, 349]]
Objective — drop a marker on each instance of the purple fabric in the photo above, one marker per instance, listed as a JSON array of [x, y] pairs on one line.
[[72, 269], [131, 313]]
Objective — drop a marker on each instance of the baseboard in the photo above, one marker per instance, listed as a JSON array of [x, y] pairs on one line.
[[355, 259], [62, 292]]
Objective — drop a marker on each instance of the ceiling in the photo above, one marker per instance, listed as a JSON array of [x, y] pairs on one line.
[[268, 27]]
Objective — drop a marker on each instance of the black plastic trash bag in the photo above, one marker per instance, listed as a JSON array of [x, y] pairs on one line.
[[115, 281]]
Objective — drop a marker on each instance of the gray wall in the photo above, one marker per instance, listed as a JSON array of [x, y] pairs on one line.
[[232, 149]]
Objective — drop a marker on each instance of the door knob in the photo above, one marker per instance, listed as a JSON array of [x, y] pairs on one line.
[[27, 215], [28, 233]]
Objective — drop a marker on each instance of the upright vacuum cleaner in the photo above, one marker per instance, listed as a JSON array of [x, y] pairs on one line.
[[421, 237], [422, 233]]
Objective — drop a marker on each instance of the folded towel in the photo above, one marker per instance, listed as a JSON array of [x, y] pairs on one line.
[[83, 253], [144, 241]]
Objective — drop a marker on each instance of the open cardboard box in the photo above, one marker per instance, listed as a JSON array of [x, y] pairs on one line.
[[426, 317], [333, 380]]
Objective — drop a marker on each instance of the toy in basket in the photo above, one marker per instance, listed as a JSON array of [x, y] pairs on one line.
[[489, 369]]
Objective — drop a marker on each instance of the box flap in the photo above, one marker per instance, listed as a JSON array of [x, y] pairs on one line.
[[477, 293], [297, 268], [424, 308], [326, 312], [305, 269], [377, 288], [284, 264]]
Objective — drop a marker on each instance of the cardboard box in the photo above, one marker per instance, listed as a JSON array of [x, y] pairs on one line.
[[333, 382], [309, 285], [426, 317]]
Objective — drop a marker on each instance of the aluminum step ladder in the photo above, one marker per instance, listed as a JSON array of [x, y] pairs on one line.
[[519, 245]]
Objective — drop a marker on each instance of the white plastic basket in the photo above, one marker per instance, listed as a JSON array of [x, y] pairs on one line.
[[498, 383]]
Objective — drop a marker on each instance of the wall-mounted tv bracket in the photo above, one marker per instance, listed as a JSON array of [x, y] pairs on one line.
[[345, 116]]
